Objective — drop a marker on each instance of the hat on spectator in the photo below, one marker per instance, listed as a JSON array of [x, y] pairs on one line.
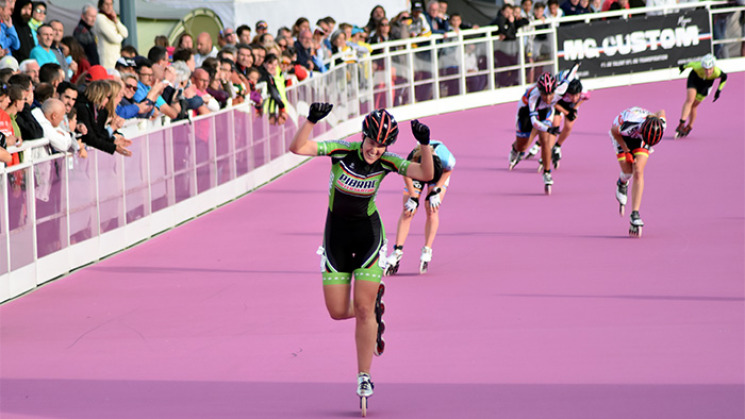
[[9, 62], [417, 5], [261, 25], [98, 72], [356, 30], [125, 62]]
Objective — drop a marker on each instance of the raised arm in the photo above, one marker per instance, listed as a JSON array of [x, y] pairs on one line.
[[302, 144], [425, 170]]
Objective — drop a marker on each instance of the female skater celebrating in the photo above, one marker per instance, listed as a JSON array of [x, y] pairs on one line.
[[702, 76], [634, 131], [354, 238], [444, 163]]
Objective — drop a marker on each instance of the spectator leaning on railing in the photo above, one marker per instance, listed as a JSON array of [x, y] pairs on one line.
[[30, 129], [146, 83], [275, 105], [128, 108], [93, 113]]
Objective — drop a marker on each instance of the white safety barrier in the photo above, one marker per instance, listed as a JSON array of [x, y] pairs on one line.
[[60, 212]]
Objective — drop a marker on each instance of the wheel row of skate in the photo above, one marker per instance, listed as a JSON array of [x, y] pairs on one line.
[[533, 306]]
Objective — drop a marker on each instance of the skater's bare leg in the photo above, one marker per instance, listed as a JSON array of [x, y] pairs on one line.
[[694, 112], [404, 224], [546, 144], [338, 301], [366, 328], [637, 189], [521, 144], [433, 221], [565, 131], [688, 104]]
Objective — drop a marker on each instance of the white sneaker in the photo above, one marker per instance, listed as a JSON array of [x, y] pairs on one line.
[[364, 385]]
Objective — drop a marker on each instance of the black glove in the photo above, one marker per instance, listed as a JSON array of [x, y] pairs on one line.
[[572, 114], [554, 130], [421, 132], [716, 95], [319, 111], [681, 67]]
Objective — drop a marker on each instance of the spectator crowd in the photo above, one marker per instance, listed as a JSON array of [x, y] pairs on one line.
[[79, 90]]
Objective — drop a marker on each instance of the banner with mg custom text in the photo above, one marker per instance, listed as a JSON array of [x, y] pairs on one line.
[[641, 43]]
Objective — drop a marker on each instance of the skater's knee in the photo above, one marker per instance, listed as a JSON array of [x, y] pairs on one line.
[[364, 310]]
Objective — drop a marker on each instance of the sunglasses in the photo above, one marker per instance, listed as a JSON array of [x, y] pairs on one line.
[[131, 86], [41, 11]]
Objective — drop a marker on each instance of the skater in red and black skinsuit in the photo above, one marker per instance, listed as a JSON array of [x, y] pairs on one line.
[[634, 132]]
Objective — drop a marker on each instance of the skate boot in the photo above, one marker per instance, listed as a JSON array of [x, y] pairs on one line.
[[393, 262], [622, 195], [687, 130], [379, 310], [556, 156], [425, 259], [364, 390], [515, 157], [635, 230], [680, 130], [548, 182], [533, 150]]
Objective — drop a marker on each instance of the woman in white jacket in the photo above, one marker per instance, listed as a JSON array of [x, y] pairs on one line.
[[110, 33]]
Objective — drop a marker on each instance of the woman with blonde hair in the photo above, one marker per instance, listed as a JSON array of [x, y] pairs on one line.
[[94, 114]]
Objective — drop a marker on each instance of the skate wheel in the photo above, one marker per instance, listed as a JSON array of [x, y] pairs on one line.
[[556, 165], [381, 289], [547, 189], [621, 210], [540, 168], [635, 232], [363, 406], [379, 347], [380, 309]]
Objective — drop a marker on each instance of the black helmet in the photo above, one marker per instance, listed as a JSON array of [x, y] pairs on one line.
[[652, 130], [546, 83], [575, 86], [381, 127]]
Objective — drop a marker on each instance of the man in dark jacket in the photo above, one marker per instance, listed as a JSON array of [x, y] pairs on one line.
[[84, 33], [506, 50], [21, 16]]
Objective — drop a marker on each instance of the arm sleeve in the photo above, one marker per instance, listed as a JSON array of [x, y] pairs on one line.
[[94, 138], [127, 111], [722, 80]]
